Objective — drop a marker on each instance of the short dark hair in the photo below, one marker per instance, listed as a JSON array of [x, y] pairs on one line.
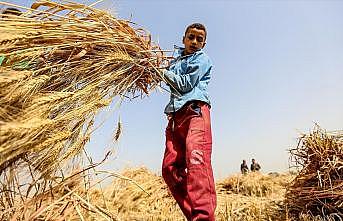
[[11, 11], [197, 26]]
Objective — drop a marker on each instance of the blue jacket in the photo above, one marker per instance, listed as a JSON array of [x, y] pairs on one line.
[[188, 77]]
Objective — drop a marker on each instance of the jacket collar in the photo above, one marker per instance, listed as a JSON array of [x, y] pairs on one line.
[[179, 52]]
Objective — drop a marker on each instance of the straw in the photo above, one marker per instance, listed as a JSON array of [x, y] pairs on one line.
[[318, 188]]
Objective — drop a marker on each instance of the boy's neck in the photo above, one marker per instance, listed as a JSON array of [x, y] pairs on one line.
[[183, 52]]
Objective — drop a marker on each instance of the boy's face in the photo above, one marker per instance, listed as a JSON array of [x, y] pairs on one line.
[[194, 40]]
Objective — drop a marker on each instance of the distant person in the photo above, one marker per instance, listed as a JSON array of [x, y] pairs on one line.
[[254, 167], [244, 167]]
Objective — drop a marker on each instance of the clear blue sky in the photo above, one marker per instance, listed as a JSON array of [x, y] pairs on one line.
[[278, 70]]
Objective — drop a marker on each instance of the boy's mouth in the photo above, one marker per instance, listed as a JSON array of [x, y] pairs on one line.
[[193, 48]]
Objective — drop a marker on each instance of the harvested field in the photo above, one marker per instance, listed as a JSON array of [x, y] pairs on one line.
[[157, 204], [63, 63], [138, 194]]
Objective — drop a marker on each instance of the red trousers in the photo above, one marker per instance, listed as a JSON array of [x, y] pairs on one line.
[[187, 166]]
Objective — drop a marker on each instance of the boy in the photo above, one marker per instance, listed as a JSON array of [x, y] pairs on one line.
[[186, 165]]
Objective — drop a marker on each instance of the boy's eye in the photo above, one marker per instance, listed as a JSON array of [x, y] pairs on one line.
[[191, 37], [200, 39]]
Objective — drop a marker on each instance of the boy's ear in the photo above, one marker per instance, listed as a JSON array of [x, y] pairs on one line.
[[204, 45], [183, 39]]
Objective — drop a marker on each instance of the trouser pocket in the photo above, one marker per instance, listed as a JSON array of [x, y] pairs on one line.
[[195, 109], [191, 110]]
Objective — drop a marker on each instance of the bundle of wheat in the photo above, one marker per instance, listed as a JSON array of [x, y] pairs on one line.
[[318, 188], [63, 64]]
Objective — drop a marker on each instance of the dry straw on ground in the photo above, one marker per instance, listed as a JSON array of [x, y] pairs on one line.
[[158, 204], [64, 62], [255, 184], [318, 188], [254, 196], [154, 203], [137, 194]]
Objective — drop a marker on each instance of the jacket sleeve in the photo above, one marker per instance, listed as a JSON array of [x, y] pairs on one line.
[[184, 83]]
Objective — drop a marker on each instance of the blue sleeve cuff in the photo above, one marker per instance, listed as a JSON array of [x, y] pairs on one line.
[[169, 75]]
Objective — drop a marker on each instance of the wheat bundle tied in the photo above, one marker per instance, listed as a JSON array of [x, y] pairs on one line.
[[65, 61], [318, 188]]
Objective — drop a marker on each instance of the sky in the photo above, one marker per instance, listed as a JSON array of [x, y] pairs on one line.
[[278, 70]]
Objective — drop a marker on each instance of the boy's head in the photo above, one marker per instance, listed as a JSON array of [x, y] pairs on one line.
[[194, 38]]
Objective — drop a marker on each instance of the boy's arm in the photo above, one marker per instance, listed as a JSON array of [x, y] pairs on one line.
[[196, 69]]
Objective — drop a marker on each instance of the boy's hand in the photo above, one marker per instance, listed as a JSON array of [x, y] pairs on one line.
[[164, 76], [163, 70]]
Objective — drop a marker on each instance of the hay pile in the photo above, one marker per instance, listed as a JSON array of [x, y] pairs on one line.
[[253, 196], [255, 184], [132, 203], [318, 188]]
